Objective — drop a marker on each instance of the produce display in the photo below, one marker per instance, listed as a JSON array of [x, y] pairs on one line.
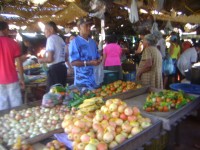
[[105, 128], [28, 123], [39, 80], [33, 69], [165, 100], [55, 145], [18, 145], [116, 87], [32, 66]]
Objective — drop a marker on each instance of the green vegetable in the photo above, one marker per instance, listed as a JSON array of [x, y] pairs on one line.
[[76, 102]]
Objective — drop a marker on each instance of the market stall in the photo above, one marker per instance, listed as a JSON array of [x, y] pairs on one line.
[[125, 107], [35, 79]]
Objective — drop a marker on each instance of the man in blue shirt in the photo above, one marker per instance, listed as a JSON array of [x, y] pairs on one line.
[[83, 55]]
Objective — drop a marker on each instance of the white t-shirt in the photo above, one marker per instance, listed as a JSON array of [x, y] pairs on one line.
[[56, 44], [186, 59], [161, 43]]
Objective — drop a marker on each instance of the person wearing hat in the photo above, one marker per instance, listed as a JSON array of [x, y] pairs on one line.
[[188, 58], [55, 56], [10, 92], [149, 71], [83, 55]]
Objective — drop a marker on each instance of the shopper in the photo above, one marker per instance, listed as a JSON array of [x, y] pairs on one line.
[[83, 55], [55, 56], [112, 56], [174, 52], [140, 48], [149, 71], [187, 58], [10, 93]]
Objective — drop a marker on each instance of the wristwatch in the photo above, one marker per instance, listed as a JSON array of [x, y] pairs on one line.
[[85, 63]]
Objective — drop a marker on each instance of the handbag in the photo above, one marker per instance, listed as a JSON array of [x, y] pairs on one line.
[[168, 66], [99, 74]]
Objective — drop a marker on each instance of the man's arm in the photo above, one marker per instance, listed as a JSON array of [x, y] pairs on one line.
[[79, 63], [21, 71], [47, 59], [140, 48]]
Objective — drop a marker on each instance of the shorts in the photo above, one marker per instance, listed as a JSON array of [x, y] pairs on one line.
[[10, 95], [57, 74]]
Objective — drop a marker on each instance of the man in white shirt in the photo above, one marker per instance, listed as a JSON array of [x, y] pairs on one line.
[[187, 58], [55, 50]]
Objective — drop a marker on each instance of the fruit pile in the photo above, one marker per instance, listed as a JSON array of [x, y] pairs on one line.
[[115, 88], [28, 123], [109, 126], [55, 145], [18, 145], [165, 100]]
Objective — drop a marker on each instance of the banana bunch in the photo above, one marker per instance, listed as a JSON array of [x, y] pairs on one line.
[[91, 104]]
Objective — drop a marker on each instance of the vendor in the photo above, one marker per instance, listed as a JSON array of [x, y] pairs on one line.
[[83, 55], [55, 56], [28, 53]]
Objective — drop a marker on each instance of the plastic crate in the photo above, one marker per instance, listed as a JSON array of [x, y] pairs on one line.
[[110, 76], [130, 76]]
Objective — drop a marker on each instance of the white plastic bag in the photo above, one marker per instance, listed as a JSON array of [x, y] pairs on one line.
[[133, 15], [154, 27], [159, 4], [168, 28], [99, 74]]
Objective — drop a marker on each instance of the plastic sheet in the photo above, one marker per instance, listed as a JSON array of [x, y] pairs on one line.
[[62, 137]]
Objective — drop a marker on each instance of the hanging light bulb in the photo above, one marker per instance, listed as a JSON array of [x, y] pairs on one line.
[[38, 2]]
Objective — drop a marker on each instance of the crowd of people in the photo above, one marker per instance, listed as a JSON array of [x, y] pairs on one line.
[[183, 55], [79, 55]]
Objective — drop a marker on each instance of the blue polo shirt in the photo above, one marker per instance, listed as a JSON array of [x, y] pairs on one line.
[[83, 50]]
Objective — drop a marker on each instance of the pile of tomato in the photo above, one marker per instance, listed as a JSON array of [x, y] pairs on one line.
[[115, 88], [165, 100]]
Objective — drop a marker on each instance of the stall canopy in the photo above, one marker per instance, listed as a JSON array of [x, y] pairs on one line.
[[117, 12]]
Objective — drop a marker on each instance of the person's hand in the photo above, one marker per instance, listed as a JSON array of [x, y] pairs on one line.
[[139, 75], [95, 62], [70, 71]]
